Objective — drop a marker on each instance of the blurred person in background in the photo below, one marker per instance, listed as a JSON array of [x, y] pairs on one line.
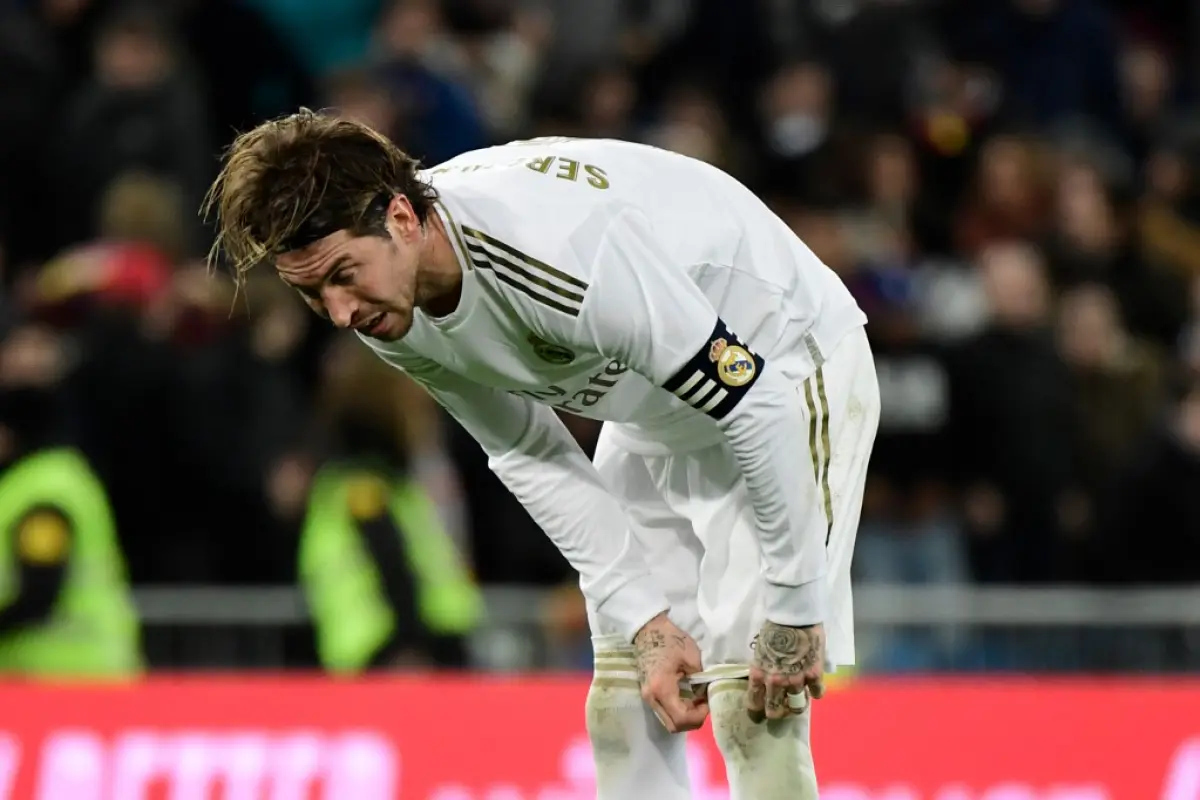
[[500, 45], [1171, 199], [894, 222], [28, 94], [909, 533], [1009, 196], [1117, 387], [139, 110], [607, 103], [806, 156], [948, 112], [259, 359], [1011, 431], [1148, 86], [873, 47], [141, 233], [690, 122], [165, 354], [1149, 534], [1054, 58], [327, 36], [1152, 524], [1188, 346], [637, 34], [438, 117], [1168, 216], [1093, 241], [247, 66], [99, 294], [66, 609], [362, 96], [384, 577]]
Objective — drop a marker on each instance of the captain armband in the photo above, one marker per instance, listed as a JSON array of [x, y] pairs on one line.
[[715, 379]]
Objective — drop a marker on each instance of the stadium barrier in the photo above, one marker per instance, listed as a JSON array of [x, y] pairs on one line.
[[873, 605], [522, 738], [899, 627]]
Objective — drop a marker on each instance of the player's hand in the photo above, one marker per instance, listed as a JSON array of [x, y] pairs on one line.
[[787, 661], [666, 655]]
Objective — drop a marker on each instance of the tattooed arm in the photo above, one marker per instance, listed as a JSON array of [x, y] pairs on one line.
[[786, 661], [665, 654]]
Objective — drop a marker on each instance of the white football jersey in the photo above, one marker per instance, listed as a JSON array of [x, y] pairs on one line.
[[631, 285]]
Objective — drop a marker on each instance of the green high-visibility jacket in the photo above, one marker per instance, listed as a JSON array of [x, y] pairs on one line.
[[343, 586]]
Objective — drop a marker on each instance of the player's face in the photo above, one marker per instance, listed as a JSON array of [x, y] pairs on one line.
[[367, 283]]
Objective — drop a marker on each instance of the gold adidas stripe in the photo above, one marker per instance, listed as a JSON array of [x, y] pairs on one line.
[[629, 654], [818, 433], [570, 280], [536, 279], [616, 683], [828, 453]]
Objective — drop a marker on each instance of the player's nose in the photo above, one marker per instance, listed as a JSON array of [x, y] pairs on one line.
[[341, 309]]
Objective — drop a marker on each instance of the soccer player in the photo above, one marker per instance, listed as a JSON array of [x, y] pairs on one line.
[[714, 531]]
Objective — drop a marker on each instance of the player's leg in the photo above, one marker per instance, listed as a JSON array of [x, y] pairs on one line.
[[842, 409], [764, 759], [632, 750], [634, 754]]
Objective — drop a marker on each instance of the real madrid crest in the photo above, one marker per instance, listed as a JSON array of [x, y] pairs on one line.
[[551, 353], [735, 365]]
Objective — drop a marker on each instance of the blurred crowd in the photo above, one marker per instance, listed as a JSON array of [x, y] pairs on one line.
[[1010, 187]]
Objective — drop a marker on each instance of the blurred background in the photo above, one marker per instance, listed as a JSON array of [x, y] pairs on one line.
[[1011, 188]]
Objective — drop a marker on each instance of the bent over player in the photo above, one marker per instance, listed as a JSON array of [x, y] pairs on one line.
[[713, 533]]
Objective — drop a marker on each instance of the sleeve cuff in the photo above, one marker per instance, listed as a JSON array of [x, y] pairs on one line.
[[796, 606], [633, 604]]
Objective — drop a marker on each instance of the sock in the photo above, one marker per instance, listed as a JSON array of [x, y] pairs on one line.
[[635, 755], [768, 760]]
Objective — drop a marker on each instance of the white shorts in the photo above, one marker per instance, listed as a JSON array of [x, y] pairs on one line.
[[692, 515]]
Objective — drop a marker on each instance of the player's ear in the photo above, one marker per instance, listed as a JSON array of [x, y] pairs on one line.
[[395, 207], [400, 209], [401, 214]]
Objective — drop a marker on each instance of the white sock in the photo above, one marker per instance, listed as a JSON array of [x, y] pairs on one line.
[[769, 760], [635, 756]]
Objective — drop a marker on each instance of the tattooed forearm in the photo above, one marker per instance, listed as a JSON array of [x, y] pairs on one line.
[[789, 651], [649, 646], [652, 646]]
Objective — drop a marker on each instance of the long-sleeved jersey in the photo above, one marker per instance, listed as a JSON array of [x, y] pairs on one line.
[[636, 286]]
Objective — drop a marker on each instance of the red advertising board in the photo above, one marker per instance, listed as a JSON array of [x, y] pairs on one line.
[[439, 738]]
